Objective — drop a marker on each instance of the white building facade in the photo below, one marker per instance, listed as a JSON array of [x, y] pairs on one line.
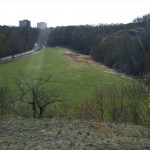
[[41, 25]]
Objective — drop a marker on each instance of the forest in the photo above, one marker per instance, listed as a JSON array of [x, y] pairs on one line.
[[14, 40]]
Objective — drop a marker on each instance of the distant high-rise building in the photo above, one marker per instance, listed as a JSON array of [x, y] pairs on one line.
[[41, 25], [25, 23]]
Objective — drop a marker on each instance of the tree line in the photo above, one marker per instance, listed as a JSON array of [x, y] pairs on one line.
[[14, 40], [83, 38]]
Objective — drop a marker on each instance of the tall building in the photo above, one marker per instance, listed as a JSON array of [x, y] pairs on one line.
[[41, 25], [25, 23]]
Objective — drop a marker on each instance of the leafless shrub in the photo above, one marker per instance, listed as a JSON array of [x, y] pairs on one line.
[[37, 94]]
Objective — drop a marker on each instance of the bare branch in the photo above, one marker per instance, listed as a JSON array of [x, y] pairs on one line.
[[35, 93]]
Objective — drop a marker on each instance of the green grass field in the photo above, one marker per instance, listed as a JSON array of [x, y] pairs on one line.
[[75, 80]]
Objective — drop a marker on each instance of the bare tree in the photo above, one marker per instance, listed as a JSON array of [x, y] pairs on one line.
[[37, 93], [99, 103]]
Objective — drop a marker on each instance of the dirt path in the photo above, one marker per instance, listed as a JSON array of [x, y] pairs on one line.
[[65, 134]]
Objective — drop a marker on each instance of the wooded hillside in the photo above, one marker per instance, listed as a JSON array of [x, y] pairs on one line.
[[124, 47]]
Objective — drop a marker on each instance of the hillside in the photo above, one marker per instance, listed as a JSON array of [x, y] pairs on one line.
[[64, 134]]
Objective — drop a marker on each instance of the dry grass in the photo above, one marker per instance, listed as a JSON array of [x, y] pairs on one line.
[[87, 58], [65, 134]]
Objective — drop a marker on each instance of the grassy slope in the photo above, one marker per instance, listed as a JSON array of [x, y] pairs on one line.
[[75, 80]]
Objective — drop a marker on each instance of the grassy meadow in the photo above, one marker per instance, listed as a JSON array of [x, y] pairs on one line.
[[75, 80]]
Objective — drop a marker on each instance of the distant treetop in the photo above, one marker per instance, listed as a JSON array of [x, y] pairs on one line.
[[145, 18]]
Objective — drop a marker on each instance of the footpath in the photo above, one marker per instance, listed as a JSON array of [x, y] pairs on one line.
[[11, 57]]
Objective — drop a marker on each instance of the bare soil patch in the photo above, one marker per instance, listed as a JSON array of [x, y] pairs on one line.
[[77, 57], [88, 59]]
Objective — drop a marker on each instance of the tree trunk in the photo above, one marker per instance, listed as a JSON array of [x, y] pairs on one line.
[[41, 112], [34, 109]]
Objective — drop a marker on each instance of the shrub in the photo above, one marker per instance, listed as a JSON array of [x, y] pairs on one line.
[[4, 100], [129, 103]]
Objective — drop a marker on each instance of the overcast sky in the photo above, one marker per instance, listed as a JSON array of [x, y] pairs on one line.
[[71, 12]]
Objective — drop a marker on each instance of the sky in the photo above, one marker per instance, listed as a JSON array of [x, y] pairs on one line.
[[71, 12]]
